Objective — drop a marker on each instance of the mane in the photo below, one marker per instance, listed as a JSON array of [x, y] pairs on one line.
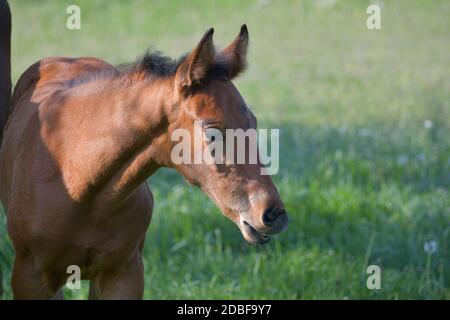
[[155, 63], [151, 65]]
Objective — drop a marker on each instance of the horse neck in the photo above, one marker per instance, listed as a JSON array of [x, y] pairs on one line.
[[144, 119], [133, 120]]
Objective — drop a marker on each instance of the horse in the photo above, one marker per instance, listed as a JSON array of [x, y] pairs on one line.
[[5, 75], [82, 139], [5, 63]]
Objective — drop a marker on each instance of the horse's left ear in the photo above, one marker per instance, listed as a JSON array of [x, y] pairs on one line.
[[235, 55]]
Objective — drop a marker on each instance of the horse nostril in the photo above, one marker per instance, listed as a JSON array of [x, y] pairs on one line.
[[271, 214]]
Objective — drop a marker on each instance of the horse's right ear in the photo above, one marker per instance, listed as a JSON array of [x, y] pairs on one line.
[[197, 64], [235, 55]]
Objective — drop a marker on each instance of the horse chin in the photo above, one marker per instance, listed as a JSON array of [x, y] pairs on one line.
[[251, 235]]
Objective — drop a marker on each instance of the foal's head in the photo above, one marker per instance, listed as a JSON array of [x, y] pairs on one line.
[[204, 93]]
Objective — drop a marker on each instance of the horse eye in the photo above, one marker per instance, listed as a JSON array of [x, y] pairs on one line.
[[213, 134]]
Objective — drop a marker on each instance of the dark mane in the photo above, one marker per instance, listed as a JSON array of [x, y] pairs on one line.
[[151, 64], [156, 64]]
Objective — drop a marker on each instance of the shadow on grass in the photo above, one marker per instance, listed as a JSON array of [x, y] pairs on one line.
[[370, 195], [356, 196]]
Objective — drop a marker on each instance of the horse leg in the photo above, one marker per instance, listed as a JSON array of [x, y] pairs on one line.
[[92, 293], [59, 295], [127, 282], [27, 281]]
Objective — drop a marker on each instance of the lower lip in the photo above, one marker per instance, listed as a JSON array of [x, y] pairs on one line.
[[261, 238]]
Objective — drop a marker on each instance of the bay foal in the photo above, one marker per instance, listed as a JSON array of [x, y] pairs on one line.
[[80, 143], [5, 63], [5, 75]]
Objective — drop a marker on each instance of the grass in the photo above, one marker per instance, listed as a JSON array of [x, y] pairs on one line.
[[365, 150]]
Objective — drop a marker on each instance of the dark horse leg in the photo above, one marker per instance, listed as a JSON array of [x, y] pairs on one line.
[[92, 294], [59, 295], [5, 75], [27, 281], [125, 283], [5, 64]]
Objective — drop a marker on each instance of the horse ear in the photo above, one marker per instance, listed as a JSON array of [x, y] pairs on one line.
[[235, 55], [197, 64]]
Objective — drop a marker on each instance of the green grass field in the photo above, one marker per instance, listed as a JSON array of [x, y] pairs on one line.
[[365, 148]]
